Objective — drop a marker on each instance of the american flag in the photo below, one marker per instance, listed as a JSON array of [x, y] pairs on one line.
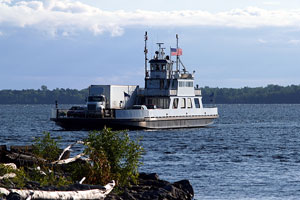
[[176, 52]]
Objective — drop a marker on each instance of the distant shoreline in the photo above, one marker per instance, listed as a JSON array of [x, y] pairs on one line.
[[271, 94]]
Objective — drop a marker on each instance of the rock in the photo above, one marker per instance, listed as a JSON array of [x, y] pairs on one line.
[[13, 196], [152, 176], [3, 152], [151, 187], [186, 186], [22, 149]]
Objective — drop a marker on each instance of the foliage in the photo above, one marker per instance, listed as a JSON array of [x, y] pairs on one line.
[[43, 96], [272, 94], [258, 95], [18, 181], [77, 170], [5, 169], [46, 147], [47, 176], [114, 157]]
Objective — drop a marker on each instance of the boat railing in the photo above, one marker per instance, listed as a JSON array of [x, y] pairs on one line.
[[68, 113]]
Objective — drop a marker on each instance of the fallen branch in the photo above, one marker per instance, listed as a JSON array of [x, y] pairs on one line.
[[83, 179], [9, 175], [69, 160], [11, 165], [83, 194], [69, 147], [18, 156]]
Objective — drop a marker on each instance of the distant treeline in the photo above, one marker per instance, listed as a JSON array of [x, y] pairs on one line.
[[43, 96], [272, 94]]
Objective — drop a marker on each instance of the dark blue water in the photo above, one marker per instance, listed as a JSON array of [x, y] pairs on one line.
[[251, 152]]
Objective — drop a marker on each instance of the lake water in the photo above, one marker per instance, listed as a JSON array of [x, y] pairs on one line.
[[251, 152]]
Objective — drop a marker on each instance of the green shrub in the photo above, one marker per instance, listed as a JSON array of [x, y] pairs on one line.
[[50, 178], [17, 182], [114, 156], [46, 147]]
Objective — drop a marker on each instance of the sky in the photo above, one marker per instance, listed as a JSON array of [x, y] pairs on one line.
[[76, 43]]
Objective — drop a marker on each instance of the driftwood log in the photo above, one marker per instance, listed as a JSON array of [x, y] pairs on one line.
[[79, 194]]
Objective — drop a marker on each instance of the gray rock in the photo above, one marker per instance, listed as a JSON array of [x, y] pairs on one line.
[[150, 187]]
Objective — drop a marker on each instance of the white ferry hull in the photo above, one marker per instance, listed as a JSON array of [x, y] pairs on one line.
[[153, 123]]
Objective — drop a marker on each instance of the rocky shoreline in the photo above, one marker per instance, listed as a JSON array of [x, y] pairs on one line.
[[149, 186]]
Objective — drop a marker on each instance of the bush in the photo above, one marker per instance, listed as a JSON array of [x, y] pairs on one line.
[[46, 147], [113, 157], [18, 181]]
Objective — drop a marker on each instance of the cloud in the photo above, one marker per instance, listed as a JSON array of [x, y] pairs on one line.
[[271, 3], [294, 42], [262, 41], [66, 16]]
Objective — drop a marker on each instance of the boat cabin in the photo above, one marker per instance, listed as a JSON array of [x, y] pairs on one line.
[[169, 88]]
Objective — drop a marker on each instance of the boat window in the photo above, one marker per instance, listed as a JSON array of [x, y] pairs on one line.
[[181, 84], [197, 104], [96, 98], [174, 84], [175, 103], [152, 67], [189, 84], [161, 84], [189, 103], [183, 103], [157, 67], [163, 67], [185, 84]]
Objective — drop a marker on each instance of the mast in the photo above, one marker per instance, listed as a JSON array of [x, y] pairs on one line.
[[177, 57], [146, 51]]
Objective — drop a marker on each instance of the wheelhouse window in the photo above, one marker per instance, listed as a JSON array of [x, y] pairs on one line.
[[185, 84], [189, 103], [183, 103], [175, 103], [152, 67], [197, 104]]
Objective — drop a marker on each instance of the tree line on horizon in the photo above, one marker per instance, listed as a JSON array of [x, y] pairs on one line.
[[271, 94], [43, 96]]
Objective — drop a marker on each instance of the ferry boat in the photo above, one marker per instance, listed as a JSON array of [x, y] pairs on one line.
[[168, 100]]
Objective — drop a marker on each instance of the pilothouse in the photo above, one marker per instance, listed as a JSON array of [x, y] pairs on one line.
[[168, 100]]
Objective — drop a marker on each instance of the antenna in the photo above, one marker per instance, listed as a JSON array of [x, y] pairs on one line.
[[177, 57], [146, 51], [160, 50]]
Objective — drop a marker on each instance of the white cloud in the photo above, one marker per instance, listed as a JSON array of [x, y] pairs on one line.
[[68, 16], [271, 3], [262, 41], [294, 42], [6, 1]]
